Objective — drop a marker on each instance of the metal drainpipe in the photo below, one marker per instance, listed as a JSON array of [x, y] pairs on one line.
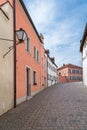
[[47, 70], [14, 28]]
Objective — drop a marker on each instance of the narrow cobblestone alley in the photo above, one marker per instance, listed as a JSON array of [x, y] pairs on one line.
[[61, 107]]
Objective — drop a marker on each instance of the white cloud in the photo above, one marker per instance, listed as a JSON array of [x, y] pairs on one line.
[[61, 23], [42, 12]]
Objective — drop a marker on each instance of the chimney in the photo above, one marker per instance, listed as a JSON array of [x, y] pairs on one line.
[[47, 52], [52, 59], [42, 37]]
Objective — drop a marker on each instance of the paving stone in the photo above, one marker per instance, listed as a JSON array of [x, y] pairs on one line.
[[60, 107]]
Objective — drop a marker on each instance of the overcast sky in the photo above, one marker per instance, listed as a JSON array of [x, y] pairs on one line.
[[62, 23]]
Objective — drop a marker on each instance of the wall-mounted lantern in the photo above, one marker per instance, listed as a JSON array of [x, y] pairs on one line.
[[21, 35]]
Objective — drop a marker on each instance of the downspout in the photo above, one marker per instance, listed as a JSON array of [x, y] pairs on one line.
[[47, 70], [14, 29]]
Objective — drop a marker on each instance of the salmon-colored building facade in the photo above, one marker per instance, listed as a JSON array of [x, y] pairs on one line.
[[30, 57], [69, 73], [3, 1]]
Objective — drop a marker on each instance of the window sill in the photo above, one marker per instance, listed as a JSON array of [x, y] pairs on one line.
[[28, 52], [36, 59]]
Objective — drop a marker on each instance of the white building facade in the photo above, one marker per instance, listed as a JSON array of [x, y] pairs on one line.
[[52, 72], [83, 50]]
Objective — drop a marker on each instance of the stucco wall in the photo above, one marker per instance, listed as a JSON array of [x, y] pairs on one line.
[[85, 71], [6, 63], [25, 58], [84, 55], [4, 1], [51, 73]]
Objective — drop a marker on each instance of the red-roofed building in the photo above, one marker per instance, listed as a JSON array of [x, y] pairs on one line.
[[69, 73]]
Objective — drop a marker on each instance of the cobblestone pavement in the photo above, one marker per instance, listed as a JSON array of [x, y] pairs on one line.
[[63, 107]]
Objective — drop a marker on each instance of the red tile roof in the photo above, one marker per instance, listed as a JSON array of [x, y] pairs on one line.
[[69, 66]]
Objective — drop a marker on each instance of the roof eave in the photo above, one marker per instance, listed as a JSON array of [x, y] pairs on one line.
[[83, 38], [29, 17]]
